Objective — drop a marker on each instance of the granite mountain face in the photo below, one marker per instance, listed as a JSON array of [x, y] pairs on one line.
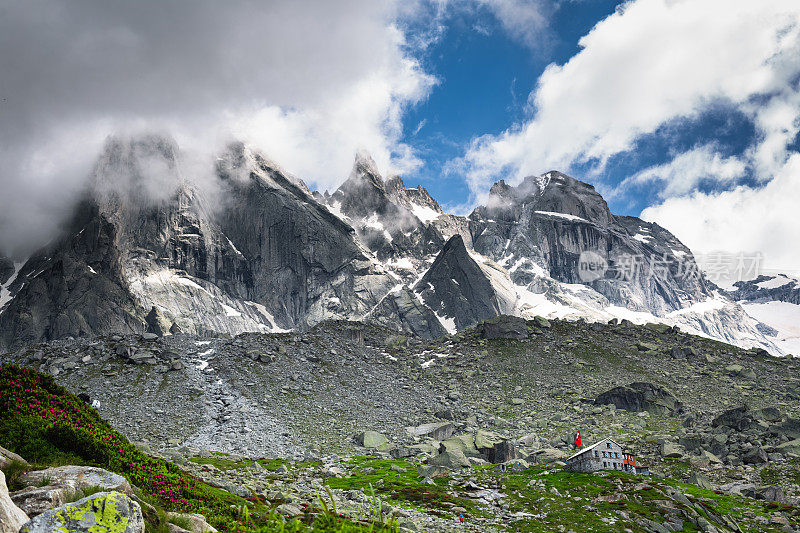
[[153, 247]]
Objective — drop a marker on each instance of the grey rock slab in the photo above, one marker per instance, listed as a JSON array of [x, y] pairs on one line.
[[435, 430], [11, 517], [197, 522], [79, 477], [6, 457], [36, 500]]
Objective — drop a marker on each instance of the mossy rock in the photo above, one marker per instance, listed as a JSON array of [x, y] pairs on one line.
[[104, 512], [658, 328], [541, 322]]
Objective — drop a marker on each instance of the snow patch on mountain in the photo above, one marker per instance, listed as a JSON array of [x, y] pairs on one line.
[[424, 213], [566, 216], [5, 288], [711, 304], [781, 280], [448, 323], [336, 209], [198, 306], [784, 317]]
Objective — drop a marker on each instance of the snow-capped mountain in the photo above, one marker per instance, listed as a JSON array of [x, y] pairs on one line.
[[775, 302], [255, 250]]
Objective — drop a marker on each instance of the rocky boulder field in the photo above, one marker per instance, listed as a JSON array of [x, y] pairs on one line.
[[350, 426]]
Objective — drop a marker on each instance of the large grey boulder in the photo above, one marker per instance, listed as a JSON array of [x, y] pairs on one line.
[[464, 443], [7, 457], [788, 448], [495, 448], [373, 440], [789, 428], [104, 512], [487, 439], [78, 477], [641, 396], [503, 327], [547, 455], [502, 452], [36, 500], [11, 516], [670, 449], [738, 418], [700, 480], [434, 430], [197, 523], [756, 455], [450, 459]]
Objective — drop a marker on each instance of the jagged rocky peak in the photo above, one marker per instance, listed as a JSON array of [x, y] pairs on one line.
[[364, 192], [552, 192], [136, 170], [241, 163], [417, 200], [463, 288], [564, 194], [767, 288]]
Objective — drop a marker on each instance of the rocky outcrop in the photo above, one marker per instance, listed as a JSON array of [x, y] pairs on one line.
[[78, 477], [11, 516], [402, 308], [763, 289], [465, 288], [37, 500], [305, 263], [738, 418], [548, 225], [75, 287], [503, 327], [373, 440], [641, 396], [7, 457], [436, 430], [104, 512]]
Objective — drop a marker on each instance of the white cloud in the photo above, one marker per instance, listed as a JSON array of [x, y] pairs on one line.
[[307, 81], [648, 65], [524, 20], [650, 62], [744, 219], [686, 171]]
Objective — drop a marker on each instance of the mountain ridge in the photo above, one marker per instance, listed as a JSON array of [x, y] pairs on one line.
[[256, 250]]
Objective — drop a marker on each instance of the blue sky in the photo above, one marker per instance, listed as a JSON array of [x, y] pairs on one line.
[[485, 76], [683, 112]]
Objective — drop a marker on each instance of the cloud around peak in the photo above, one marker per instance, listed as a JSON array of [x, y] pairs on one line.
[[307, 82], [649, 65]]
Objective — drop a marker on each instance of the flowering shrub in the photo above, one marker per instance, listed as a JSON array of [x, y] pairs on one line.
[[48, 425]]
